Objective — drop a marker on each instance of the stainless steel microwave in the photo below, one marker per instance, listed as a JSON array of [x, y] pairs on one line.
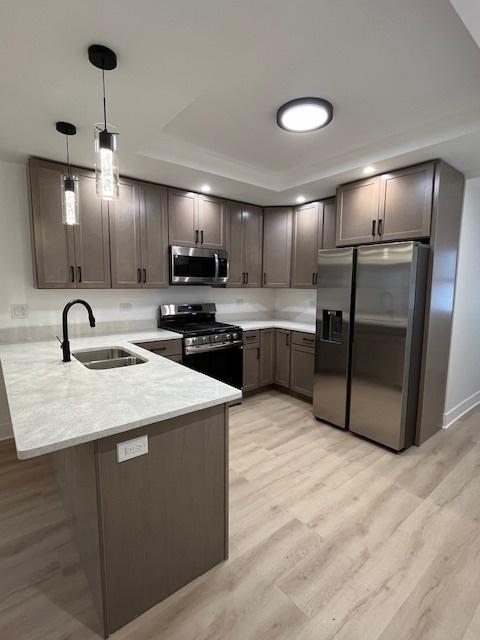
[[198, 266]]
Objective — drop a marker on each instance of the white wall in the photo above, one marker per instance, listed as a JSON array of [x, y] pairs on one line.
[[463, 384], [45, 306], [297, 305]]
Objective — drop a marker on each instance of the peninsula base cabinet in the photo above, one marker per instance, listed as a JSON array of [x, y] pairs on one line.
[[149, 525], [278, 357]]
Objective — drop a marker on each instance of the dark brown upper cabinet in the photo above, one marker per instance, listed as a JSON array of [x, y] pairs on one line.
[[307, 239], [196, 220], [154, 235], [277, 246], [357, 212], [138, 236], [68, 257], [244, 244], [211, 222], [393, 206], [329, 220], [406, 198]]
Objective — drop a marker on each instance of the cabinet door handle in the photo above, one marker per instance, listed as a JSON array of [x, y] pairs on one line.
[[139, 276], [264, 278], [201, 236], [243, 277], [258, 353], [380, 227], [196, 236], [246, 281], [374, 227], [72, 273], [79, 273], [144, 276], [313, 278], [287, 340]]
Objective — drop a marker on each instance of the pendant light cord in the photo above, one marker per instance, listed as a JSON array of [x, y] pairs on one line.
[[68, 158], [104, 100]]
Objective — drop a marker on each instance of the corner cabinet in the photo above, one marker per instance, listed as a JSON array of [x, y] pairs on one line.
[[392, 206], [76, 257], [196, 220], [138, 236], [244, 244], [277, 246]]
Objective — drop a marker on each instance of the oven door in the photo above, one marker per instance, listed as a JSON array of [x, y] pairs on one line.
[[224, 364], [198, 266]]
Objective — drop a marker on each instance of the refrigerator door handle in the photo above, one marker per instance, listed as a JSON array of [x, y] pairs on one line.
[[374, 228], [380, 227]]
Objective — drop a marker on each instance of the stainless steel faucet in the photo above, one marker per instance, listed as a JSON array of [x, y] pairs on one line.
[[66, 344]]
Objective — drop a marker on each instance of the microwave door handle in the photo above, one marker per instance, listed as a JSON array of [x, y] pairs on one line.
[[217, 267]]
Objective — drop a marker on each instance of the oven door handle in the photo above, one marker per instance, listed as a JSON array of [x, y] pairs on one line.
[[212, 347]]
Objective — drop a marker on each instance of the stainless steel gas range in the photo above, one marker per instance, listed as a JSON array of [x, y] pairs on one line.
[[211, 347]]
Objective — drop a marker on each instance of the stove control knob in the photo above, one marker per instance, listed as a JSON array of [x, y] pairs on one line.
[[206, 339], [228, 336], [189, 341], [235, 336]]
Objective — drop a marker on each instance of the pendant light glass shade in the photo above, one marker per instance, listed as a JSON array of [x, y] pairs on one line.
[[70, 213], [68, 182], [106, 164]]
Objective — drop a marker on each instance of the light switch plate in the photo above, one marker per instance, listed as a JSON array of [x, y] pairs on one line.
[[132, 448], [19, 311]]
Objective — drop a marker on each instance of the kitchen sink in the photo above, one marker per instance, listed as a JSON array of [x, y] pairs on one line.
[[109, 358]]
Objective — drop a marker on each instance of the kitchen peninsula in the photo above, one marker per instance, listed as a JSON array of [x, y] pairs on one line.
[[140, 453]]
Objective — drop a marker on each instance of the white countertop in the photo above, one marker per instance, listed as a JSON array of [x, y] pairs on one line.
[[55, 405], [254, 325]]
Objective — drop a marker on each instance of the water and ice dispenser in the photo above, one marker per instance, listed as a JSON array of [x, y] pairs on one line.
[[332, 326]]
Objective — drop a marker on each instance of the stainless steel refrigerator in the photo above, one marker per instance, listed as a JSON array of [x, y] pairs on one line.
[[370, 312]]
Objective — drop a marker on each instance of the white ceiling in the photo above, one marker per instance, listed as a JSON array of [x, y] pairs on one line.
[[198, 83]]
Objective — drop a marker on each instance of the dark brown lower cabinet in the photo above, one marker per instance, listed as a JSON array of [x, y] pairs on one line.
[[251, 366], [279, 357], [171, 349], [267, 357], [147, 526], [282, 357], [301, 370]]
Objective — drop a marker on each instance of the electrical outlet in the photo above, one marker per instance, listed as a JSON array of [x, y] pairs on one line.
[[19, 311], [125, 306], [132, 448]]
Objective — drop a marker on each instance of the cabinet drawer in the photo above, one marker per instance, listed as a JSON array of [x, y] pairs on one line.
[[304, 339], [162, 347], [251, 337], [176, 358]]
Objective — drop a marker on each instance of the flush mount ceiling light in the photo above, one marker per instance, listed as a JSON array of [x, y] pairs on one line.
[[205, 188], [69, 184], [304, 114], [106, 154], [300, 199], [369, 170]]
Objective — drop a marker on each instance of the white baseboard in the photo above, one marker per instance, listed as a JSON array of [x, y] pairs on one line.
[[461, 409]]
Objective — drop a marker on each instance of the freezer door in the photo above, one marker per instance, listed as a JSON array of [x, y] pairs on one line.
[[333, 335], [387, 336]]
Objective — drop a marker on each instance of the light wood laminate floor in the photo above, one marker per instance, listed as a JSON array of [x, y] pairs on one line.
[[331, 537]]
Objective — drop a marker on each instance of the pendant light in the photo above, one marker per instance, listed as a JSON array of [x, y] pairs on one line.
[[69, 184], [106, 155]]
